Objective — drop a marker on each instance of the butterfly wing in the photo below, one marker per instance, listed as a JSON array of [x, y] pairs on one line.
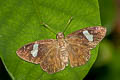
[[89, 37], [36, 51], [43, 52], [78, 54], [81, 42], [53, 62]]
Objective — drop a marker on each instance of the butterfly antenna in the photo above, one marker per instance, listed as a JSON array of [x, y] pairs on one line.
[[48, 27], [68, 23]]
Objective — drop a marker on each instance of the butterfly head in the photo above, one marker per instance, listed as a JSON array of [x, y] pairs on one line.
[[60, 35]]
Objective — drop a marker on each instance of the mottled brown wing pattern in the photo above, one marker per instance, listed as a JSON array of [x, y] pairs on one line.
[[78, 54], [44, 46], [48, 55], [80, 45], [78, 37], [53, 62], [53, 55]]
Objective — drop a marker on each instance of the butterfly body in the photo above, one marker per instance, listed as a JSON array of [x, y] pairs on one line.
[[53, 55], [62, 46]]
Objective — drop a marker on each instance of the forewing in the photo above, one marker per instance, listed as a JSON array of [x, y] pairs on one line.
[[88, 37], [36, 51]]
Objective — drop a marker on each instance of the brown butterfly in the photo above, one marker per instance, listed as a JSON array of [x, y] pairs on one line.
[[53, 55]]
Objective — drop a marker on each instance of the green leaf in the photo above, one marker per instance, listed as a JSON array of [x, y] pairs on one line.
[[20, 23]]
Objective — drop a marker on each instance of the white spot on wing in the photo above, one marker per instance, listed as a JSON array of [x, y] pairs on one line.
[[34, 52], [88, 35]]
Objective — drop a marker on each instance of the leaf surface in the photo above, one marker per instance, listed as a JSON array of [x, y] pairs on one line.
[[20, 23]]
